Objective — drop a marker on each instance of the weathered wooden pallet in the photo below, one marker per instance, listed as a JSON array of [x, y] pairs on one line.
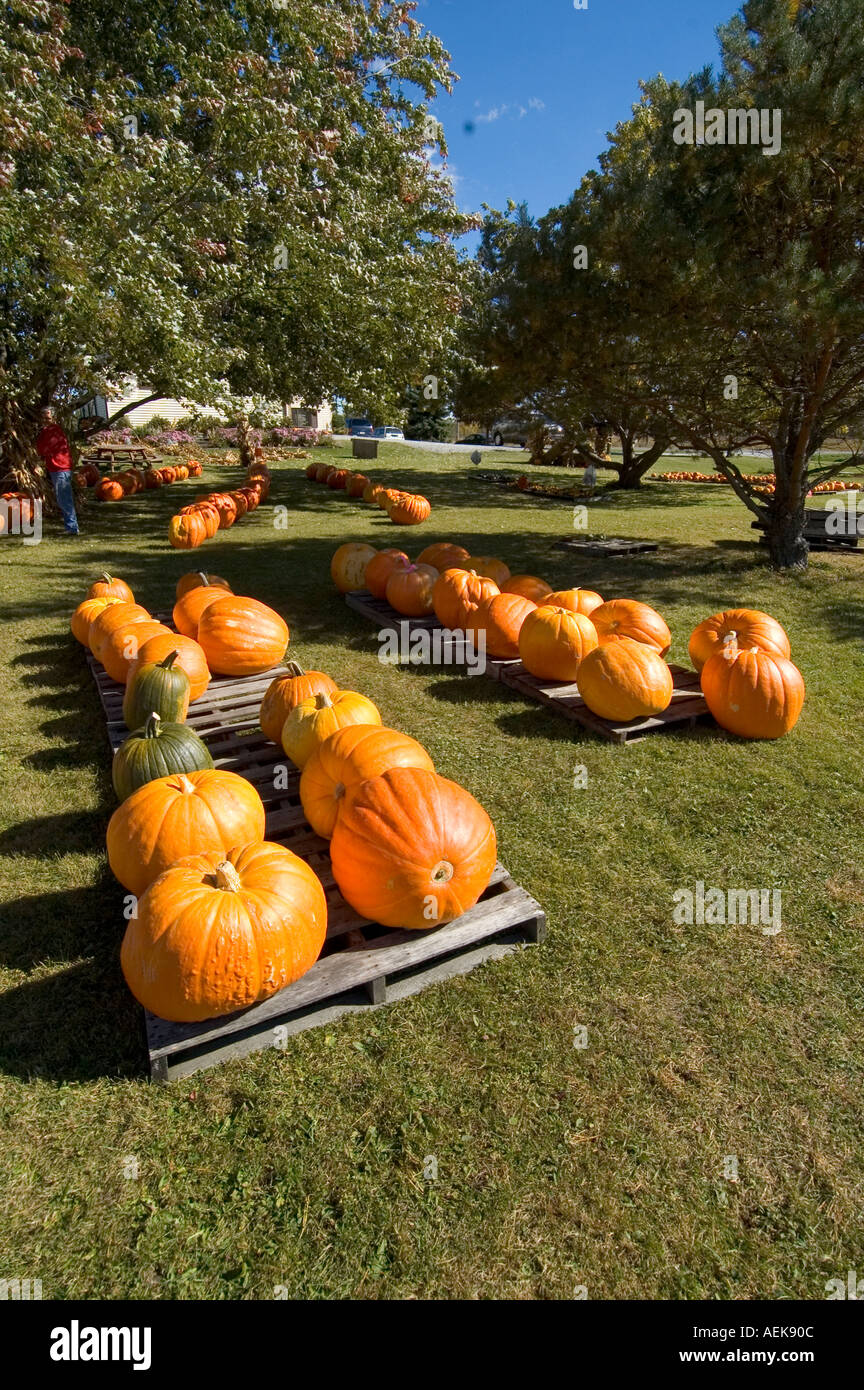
[[449, 648], [605, 546], [688, 705], [363, 965]]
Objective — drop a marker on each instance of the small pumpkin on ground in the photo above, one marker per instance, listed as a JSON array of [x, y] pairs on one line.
[[357, 484], [410, 509], [156, 687], [752, 693], [157, 749], [319, 716], [242, 637], [412, 849], [409, 590], [624, 617], [187, 532], [348, 566], [218, 932], [529, 586], [458, 593], [577, 600], [346, 759], [500, 619], [370, 493], [285, 692], [750, 628], [107, 586], [553, 642], [624, 680], [173, 817]]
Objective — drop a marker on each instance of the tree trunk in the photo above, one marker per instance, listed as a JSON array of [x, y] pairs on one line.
[[784, 531], [634, 466]]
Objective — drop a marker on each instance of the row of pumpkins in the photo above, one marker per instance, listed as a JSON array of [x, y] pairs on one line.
[[403, 508], [615, 650], [119, 485], [764, 481], [199, 522], [224, 918]]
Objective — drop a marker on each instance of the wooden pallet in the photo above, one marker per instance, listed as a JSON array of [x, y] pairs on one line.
[[451, 648], [687, 708], [363, 965], [605, 546]]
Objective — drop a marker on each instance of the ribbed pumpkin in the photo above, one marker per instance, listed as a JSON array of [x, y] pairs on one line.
[[500, 618], [370, 493], [346, 759], [284, 693], [173, 817], [120, 651], [624, 680], [386, 497], [457, 593], [219, 932], [444, 555], [156, 687], [226, 507], [411, 849], [553, 642], [323, 472], [190, 658], [187, 532], [242, 637], [156, 749], [750, 628], [379, 570], [114, 616], [410, 509], [491, 567], [357, 484], [199, 579], [576, 600], [528, 586], [409, 590], [109, 490], [624, 617], [86, 614], [752, 693], [348, 566], [188, 609], [319, 716], [108, 587]]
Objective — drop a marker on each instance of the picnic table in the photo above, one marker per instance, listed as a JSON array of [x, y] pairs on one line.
[[109, 455]]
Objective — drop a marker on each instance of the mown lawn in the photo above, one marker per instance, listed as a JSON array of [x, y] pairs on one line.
[[558, 1166]]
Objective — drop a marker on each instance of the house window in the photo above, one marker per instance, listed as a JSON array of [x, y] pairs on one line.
[[304, 419]]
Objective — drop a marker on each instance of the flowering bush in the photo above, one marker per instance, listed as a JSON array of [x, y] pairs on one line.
[[296, 434], [165, 438]]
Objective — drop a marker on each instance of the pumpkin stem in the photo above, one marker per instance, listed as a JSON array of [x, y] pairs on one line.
[[730, 646], [323, 701], [151, 726], [202, 575], [227, 877], [293, 668], [443, 872], [106, 578], [169, 661]]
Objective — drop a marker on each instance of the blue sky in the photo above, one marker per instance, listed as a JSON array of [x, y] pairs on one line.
[[542, 83]]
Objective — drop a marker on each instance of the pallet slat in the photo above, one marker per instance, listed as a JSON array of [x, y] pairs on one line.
[[606, 546], [687, 708]]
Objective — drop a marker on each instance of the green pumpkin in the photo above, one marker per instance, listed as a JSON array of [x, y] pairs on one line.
[[158, 687], [157, 750]]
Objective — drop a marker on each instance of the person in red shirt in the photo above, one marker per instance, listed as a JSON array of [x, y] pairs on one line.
[[53, 448]]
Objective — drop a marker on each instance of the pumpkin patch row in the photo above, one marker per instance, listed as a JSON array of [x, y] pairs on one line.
[[403, 508], [763, 481], [218, 511], [119, 485]]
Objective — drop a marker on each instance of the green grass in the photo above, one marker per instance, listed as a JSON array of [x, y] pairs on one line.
[[557, 1166]]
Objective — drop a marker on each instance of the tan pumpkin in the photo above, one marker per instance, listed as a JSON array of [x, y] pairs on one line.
[[623, 680], [348, 566], [319, 716]]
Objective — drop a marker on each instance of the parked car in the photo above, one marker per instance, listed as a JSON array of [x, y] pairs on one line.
[[360, 425], [474, 439], [516, 431], [389, 432]]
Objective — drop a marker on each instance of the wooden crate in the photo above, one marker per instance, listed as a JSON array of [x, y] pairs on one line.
[[363, 965], [605, 546], [688, 705]]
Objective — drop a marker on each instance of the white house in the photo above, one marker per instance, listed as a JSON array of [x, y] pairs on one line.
[[167, 408]]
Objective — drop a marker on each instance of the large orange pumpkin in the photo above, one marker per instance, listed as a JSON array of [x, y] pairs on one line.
[[553, 642], [172, 817], [108, 587], [379, 570], [370, 493], [218, 932], [529, 586], [85, 614], [749, 627], [410, 509], [753, 694], [190, 658], [188, 609], [409, 590], [491, 567], [114, 615], [457, 593], [346, 759], [285, 692], [348, 566], [319, 716], [577, 600], [624, 617], [198, 579], [411, 849], [226, 507], [337, 478], [444, 555], [386, 497], [242, 637], [187, 532], [357, 484], [624, 679], [500, 619], [120, 651]]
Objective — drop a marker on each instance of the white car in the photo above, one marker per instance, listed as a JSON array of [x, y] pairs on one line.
[[389, 432]]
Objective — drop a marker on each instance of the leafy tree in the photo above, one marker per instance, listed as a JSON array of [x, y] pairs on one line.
[[425, 419]]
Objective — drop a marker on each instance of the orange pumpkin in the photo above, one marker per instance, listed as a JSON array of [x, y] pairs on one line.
[[85, 614], [379, 570], [319, 716], [188, 609], [386, 497], [120, 652], [346, 759], [370, 493], [410, 509], [492, 568], [108, 587], [348, 565], [357, 483], [187, 532], [457, 593], [323, 471], [114, 615], [529, 586], [172, 817], [190, 658], [338, 479], [576, 600], [199, 579], [752, 693], [749, 627], [443, 555], [409, 589], [109, 490], [226, 507], [500, 620], [553, 642], [218, 932], [242, 637], [624, 617], [624, 680], [411, 849], [286, 692], [312, 472]]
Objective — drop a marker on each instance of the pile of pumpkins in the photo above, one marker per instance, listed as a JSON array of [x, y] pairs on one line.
[[403, 508], [199, 522], [116, 486], [614, 650]]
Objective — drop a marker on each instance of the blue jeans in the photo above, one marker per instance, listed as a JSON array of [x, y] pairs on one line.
[[62, 484]]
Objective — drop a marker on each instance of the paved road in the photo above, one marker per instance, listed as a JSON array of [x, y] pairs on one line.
[[431, 446]]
